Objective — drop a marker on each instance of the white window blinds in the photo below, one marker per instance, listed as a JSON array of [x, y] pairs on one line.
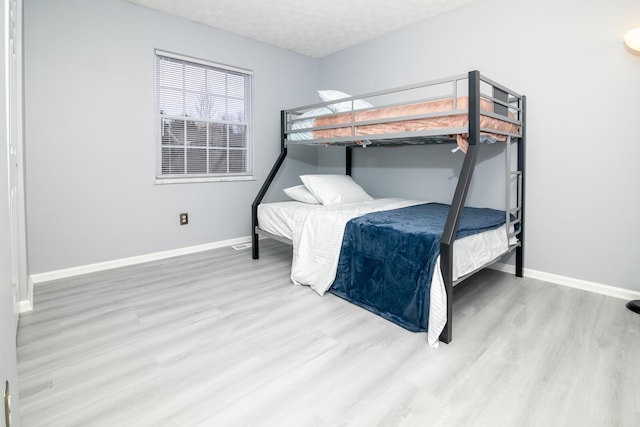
[[204, 118]]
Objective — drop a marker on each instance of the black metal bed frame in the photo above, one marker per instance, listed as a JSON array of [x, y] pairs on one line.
[[459, 197]]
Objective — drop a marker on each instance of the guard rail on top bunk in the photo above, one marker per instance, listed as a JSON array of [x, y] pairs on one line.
[[508, 106]]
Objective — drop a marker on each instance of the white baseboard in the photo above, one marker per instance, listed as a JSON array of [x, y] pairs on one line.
[[34, 279], [598, 288], [26, 306], [48, 276]]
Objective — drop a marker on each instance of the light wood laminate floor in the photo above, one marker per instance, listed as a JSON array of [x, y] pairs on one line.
[[216, 339]]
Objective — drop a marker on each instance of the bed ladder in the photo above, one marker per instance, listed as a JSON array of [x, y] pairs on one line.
[[512, 213], [516, 178]]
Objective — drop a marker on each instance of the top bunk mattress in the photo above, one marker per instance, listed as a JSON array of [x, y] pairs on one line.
[[424, 120], [401, 116]]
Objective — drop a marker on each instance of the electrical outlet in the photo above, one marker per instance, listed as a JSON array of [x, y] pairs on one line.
[[184, 218]]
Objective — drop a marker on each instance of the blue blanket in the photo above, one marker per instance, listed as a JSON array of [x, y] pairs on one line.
[[387, 258]]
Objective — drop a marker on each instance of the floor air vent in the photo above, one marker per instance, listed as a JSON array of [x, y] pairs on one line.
[[241, 246]]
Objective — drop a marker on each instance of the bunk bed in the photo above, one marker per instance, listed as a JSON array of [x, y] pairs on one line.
[[468, 110]]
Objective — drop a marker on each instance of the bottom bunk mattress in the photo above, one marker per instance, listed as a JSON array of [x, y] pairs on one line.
[[388, 258], [317, 231]]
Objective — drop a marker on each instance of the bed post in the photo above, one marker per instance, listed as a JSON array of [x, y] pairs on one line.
[[459, 197], [348, 160], [255, 250], [521, 168]]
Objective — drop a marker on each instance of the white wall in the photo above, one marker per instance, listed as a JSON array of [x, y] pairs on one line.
[[89, 127], [90, 132], [582, 87]]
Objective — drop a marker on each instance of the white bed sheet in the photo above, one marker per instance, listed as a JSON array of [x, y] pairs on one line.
[[316, 233]]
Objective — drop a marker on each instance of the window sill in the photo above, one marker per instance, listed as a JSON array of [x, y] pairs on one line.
[[164, 181]]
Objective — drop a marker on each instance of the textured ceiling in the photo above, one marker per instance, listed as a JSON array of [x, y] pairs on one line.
[[311, 27]]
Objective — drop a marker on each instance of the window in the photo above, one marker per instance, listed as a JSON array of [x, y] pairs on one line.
[[203, 120]]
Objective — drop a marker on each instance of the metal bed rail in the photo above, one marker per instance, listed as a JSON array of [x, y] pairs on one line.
[[506, 108]]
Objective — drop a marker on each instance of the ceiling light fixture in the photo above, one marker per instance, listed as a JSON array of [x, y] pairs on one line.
[[632, 39]]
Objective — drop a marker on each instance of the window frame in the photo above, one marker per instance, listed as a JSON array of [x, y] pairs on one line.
[[159, 119]]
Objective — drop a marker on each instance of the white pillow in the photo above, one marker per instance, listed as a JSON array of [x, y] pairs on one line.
[[333, 190], [328, 95], [308, 123], [301, 194]]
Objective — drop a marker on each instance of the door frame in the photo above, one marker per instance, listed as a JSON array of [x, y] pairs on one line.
[[22, 293]]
